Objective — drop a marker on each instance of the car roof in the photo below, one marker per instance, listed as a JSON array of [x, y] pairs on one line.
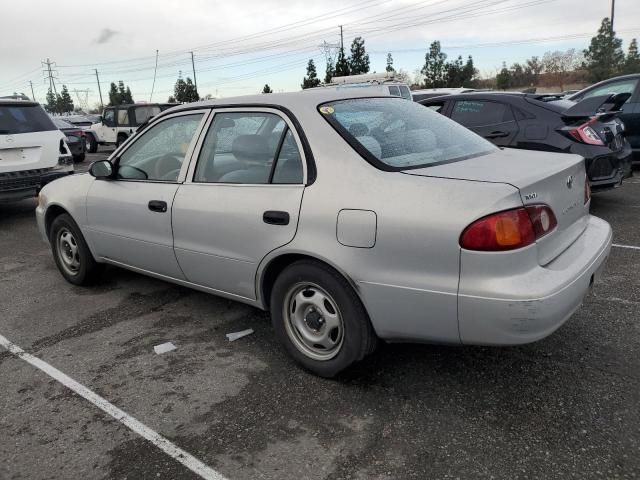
[[14, 102], [305, 99], [127, 105], [443, 90]]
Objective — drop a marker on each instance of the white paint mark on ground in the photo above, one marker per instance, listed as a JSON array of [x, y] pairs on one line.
[[164, 348], [158, 440], [625, 246]]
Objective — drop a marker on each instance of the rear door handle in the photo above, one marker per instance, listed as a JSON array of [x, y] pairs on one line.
[[157, 206], [275, 217]]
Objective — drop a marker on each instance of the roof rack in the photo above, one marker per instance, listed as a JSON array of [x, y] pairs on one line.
[[373, 78]]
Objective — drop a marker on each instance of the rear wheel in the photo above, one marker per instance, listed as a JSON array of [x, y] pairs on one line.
[[70, 252], [91, 145], [79, 158], [320, 319]]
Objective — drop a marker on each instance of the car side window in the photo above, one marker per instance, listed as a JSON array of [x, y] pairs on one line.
[[623, 86], [109, 118], [477, 113], [248, 148], [435, 106], [159, 152], [123, 117]]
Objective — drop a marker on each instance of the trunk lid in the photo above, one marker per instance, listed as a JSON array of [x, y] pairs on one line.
[[28, 151], [553, 179]]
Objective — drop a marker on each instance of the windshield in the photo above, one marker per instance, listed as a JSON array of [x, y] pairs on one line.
[[394, 134], [24, 119]]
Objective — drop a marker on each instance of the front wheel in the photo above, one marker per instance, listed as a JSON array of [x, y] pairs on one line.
[[319, 318], [70, 252]]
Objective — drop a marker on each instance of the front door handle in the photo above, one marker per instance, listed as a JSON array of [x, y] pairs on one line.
[[275, 217], [157, 206]]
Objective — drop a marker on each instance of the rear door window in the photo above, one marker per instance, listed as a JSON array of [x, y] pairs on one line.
[[123, 117], [477, 113], [24, 119], [394, 90]]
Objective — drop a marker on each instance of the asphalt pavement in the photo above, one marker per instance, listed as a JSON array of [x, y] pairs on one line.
[[567, 407]]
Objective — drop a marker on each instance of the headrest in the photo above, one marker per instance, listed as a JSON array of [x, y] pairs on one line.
[[250, 148]]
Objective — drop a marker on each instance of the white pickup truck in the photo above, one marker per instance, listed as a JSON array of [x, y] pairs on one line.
[[120, 122]]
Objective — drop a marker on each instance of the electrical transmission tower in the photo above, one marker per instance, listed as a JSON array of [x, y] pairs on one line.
[[50, 74], [83, 98]]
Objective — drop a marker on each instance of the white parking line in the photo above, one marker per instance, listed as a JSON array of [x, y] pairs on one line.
[[625, 246], [158, 440]]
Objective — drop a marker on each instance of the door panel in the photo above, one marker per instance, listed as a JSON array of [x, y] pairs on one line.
[[129, 217], [221, 236], [232, 211], [123, 228]]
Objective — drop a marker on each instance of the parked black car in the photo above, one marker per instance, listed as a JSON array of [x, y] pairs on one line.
[[590, 128], [630, 113], [75, 138]]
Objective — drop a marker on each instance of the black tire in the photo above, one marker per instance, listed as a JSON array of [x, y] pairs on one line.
[[121, 140], [87, 270], [92, 144], [79, 158], [357, 338]]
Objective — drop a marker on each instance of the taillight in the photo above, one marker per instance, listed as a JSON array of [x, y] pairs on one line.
[[586, 134], [587, 190], [509, 230]]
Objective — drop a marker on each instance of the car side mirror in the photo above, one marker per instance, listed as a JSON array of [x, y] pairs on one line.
[[101, 169], [99, 118]]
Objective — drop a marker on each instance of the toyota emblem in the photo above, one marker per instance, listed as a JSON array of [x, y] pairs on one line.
[[570, 181]]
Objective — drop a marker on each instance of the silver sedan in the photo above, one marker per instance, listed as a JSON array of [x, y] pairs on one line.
[[350, 218]]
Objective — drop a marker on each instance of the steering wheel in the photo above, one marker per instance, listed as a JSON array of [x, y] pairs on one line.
[[167, 164]]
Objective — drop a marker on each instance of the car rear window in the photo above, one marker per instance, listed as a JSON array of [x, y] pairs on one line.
[[15, 119], [393, 134]]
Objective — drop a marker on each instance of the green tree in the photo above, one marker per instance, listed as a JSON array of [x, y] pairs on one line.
[[434, 69], [503, 79], [311, 80], [632, 61], [64, 101], [390, 68], [330, 70], [359, 59], [342, 65], [267, 89], [114, 96], [532, 70], [51, 106], [180, 90], [171, 99], [604, 58], [190, 92], [454, 72]]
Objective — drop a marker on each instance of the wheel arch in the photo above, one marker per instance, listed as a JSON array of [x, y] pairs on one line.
[[53, 211], [272, 267]]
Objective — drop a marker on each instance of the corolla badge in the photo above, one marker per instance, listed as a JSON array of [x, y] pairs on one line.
[[9, 139], [570, 181]]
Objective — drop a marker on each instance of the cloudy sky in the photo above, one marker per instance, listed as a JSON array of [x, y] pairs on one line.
[[240, 46]]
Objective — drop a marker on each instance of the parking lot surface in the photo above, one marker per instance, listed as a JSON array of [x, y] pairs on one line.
[[565, 407]]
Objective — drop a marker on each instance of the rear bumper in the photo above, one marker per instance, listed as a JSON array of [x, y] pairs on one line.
[[527, 306], [607, 172], [19, 185]]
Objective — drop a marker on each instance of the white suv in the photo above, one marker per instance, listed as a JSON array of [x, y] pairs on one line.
[[120, 122], [33, 151]]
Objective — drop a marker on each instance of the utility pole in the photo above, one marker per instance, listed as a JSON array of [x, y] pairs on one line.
[[99, 89], [33, 95], [52, 84], [613, 11], [193, 65], [155, 71], [341, 40]]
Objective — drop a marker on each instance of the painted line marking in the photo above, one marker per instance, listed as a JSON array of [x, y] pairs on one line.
[[141, 429], [625, 246]]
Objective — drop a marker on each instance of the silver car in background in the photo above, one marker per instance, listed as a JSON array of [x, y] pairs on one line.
[[350, 218]]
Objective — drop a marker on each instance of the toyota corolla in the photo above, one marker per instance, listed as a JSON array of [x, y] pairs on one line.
[[351, 219]]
